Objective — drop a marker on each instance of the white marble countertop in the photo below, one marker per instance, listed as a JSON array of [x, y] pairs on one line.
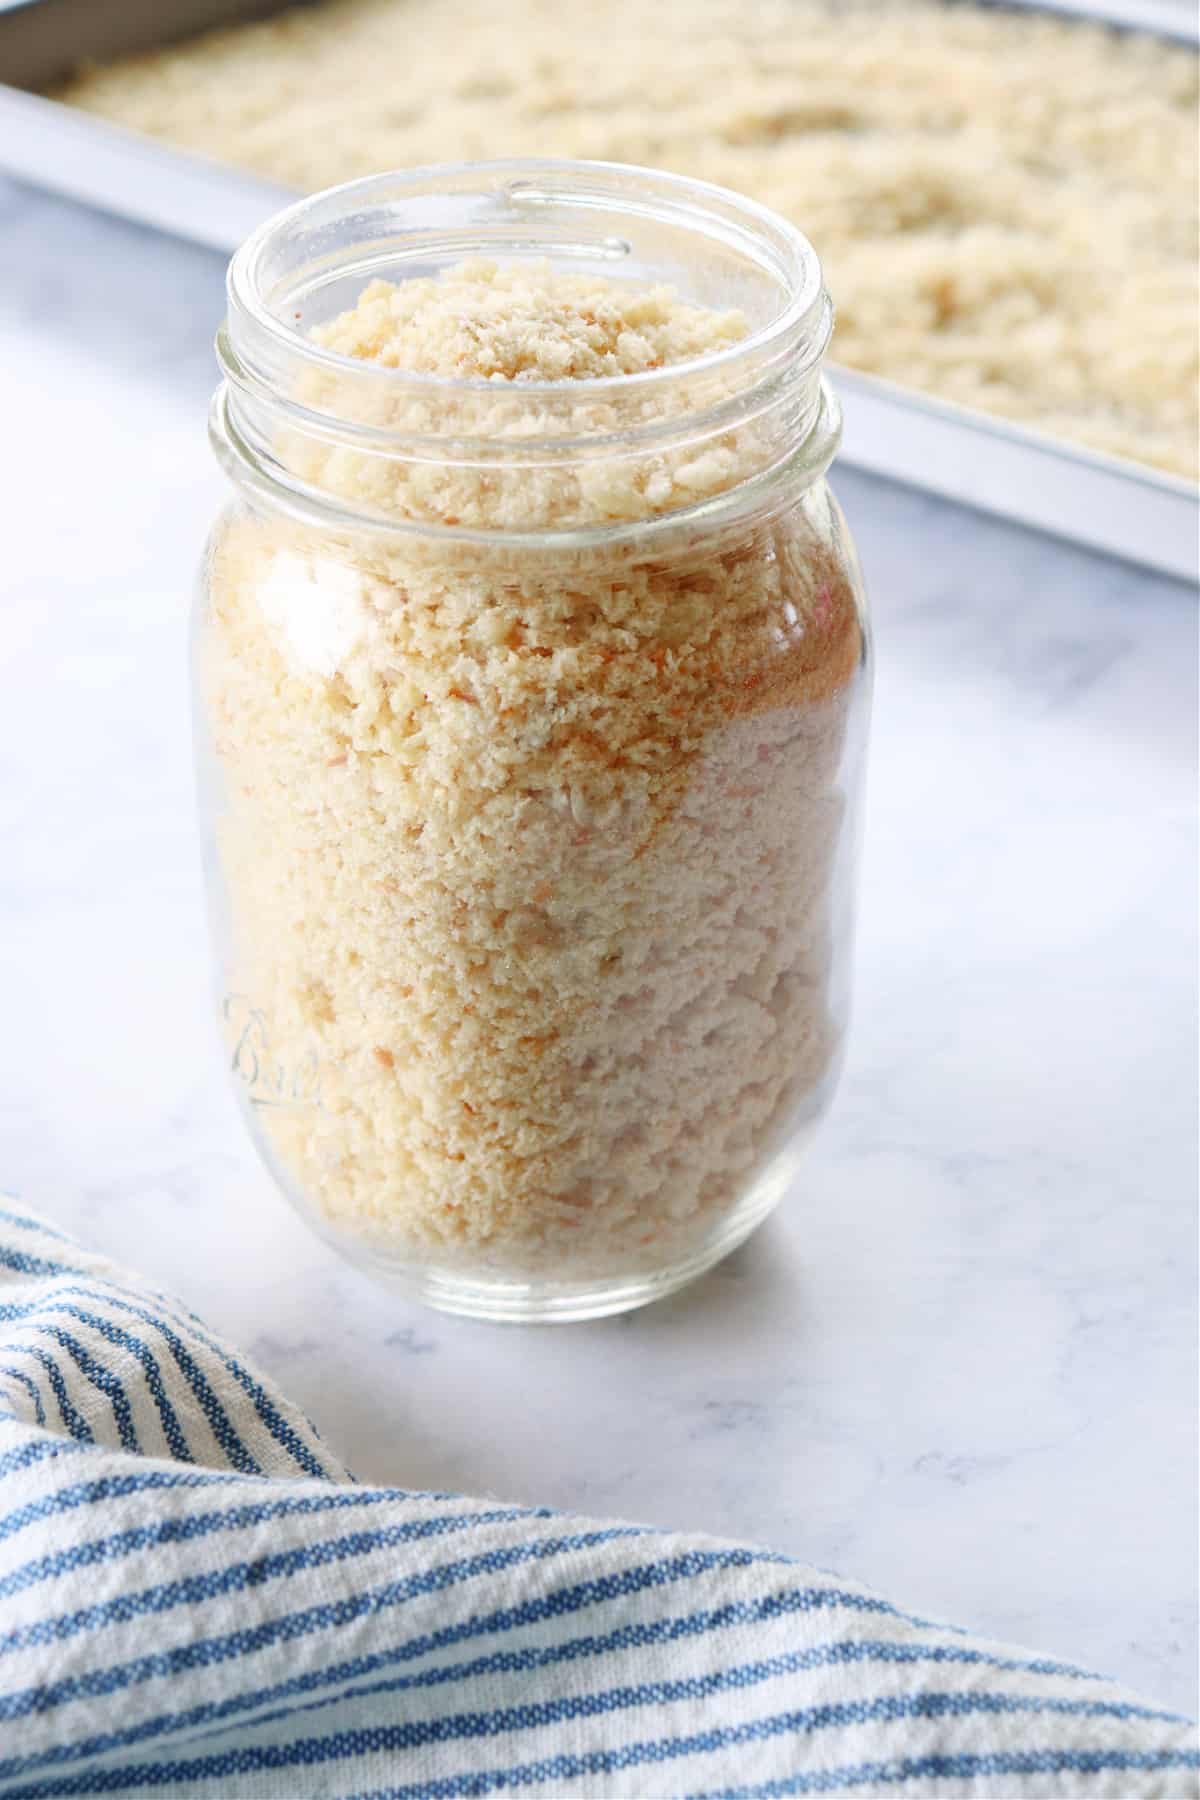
[[959, 1364]]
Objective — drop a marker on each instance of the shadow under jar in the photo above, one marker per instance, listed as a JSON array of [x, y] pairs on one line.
[[530, 713]]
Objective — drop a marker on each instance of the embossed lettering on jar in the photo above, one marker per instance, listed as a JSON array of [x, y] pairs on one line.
[[531, 690]]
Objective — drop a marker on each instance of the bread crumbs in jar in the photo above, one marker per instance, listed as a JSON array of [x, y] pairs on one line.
[[530, 701]]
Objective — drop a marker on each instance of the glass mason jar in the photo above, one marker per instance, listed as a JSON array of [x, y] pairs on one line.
[[530, 719]]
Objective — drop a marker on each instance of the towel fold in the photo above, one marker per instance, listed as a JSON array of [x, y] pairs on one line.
[[198, 1599]]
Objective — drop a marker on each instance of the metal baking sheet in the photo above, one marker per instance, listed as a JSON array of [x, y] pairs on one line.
[[1119, 507]]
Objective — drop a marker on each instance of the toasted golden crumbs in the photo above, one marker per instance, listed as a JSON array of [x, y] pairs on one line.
[[482, 321]]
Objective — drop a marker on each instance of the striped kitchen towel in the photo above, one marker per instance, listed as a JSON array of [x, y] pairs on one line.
[[196, 1598]]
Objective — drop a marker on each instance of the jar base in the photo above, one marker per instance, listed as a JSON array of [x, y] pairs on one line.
[[501, 1300]]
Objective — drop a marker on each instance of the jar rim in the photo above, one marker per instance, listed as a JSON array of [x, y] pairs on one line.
[[803, 325]]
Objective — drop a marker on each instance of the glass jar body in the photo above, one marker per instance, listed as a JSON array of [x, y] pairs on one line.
[[531, 874]]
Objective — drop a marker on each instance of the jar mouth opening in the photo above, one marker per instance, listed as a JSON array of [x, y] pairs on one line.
[[406, 221]]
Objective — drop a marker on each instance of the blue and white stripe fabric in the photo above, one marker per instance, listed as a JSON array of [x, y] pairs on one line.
[[196, 1599]]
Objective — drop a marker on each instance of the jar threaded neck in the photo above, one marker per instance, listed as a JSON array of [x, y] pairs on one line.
[[289, 404]]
